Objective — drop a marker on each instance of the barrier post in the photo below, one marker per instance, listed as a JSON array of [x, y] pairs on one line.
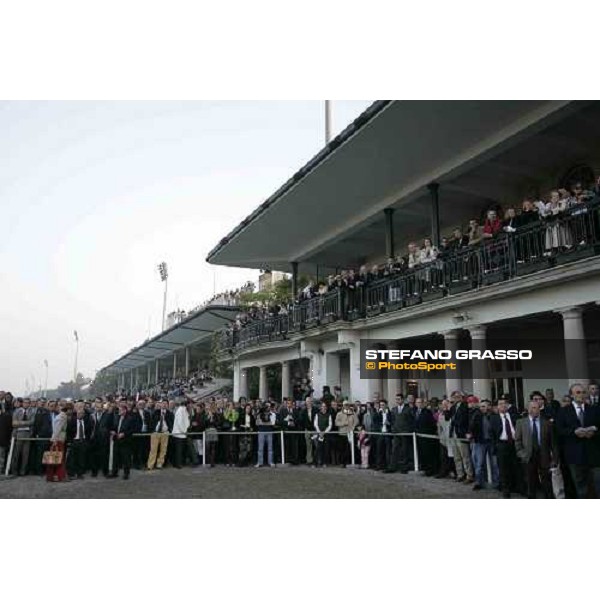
[[111, 455], [282, 448], [351, 440], [416, 452], [204, 448], [10, 455]]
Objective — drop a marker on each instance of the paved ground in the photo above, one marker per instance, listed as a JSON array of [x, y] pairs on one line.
[[223, 482]]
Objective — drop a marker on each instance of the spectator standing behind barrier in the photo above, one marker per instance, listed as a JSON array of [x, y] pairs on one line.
[[323, 424], [443, 431], [141, 444], [382, 424], [181, 424], [58, 473], [290, 419], [79, 431], [247, 425], [425, 425], [231, 418], [577, 426], [459, 427], [5, 431], [307, 419], [103, 424], [213, 422], [21, 429], [123, 436], [265, 423], [480, 433], [364, 445], [503, 438], [403, 422], [42, 428], [161, 426], [537, 450], [346, 421]]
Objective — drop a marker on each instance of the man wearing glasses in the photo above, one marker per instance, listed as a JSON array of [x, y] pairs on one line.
[[577, 425]]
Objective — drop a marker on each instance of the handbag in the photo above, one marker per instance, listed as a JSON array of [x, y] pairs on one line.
[[52, 457], [558, 485]]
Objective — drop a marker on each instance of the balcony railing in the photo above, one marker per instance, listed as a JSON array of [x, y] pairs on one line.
[[568, 237]]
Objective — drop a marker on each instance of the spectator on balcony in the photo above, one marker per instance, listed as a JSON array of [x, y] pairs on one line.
[[374, 274], [414, 255], [428, 253], [509, 223], [557, 233], [492, 225], [528, 214], [474, 233], [459, 239]]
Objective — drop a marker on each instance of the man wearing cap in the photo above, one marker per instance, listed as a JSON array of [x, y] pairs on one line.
[[459, 428]]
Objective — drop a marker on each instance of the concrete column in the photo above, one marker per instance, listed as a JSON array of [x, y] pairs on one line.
[[243, 383], [263, 391], [453, 378], [148, 375], [285, 379], [187, 361], [156, 371], [131, 380], [435, 213], [393, 384], [389, 232], [331, 377], [575, 345], [137, 378], [294, 280], [174, 364], [482, 386], [236, 380]]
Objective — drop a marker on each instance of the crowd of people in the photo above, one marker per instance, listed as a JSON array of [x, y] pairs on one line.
[[459, 437], [567, 224]]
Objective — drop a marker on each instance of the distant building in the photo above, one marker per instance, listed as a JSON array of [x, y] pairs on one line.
[[267, 279]]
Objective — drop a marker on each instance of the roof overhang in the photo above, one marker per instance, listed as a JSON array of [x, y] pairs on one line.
[[196, 329], [330, 212]]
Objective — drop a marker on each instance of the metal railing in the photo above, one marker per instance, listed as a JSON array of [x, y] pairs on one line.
[[558, 239]]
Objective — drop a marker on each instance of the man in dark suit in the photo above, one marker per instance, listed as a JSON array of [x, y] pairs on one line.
[[403, 421], [425, 424], [124, 428], [42, 428], [382, 424], [289, 418], [459, 428], [79, 433], [578, 427], [480, 435], [502, 429], [536, 447], [307, 419], [141, 444], [102, 424]]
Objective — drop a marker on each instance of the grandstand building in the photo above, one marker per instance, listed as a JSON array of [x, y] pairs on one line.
[[404, 171]]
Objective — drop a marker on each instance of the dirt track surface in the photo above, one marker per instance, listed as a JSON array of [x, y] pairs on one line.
[[224, 482]]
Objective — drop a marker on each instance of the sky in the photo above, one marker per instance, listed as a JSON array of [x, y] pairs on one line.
[[93, 195]]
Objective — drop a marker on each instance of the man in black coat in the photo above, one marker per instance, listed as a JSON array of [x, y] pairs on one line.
[[382, 424], [79, 433], [290, 420], [578, 428], [459, 427], [102, 424], [502, 428], [5, 431], [425, 425], [122, 435], [141, 444], [307, 420], [403, 421], [42, 428]]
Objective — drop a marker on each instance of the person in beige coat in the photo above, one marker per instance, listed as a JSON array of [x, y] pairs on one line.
[[57, 442], [346, 422]]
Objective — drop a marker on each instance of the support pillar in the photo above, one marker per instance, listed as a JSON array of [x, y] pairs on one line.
[[482, 387], [285, 379], [187, 361], [435, 213], [393, 384], [575, 345], [331, 377], [243, 383], [389, 232], [156, 370], [131, 380], [263, 391], [148, 375], [294, 280], [174, 365], [453, 378]]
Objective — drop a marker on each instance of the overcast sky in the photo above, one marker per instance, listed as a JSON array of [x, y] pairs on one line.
[[93, 195]]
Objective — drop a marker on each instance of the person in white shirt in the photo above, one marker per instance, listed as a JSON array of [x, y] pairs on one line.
[[181, 424]]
